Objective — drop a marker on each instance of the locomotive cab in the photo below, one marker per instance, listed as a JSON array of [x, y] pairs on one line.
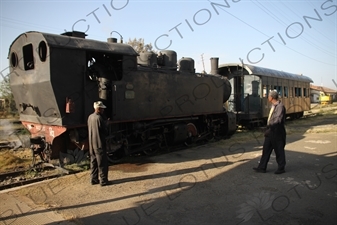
[[56, 78]]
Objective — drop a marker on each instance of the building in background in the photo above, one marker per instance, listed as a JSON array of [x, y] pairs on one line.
[[323, 95]]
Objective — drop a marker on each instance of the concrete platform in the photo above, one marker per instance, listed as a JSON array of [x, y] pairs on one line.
[[22, 210]]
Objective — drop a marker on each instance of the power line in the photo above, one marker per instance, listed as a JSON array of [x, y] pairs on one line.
[[25, 24], [274, 40], [312, 27], [312, 43], [270, 13]]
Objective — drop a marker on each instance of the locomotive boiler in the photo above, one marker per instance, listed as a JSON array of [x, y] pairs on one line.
[[153, 100]]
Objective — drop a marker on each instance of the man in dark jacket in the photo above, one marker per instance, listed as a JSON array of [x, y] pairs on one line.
[[97, 129], [275, 135]]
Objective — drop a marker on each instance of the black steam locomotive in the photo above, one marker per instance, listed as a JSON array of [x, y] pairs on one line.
[[151, 103]]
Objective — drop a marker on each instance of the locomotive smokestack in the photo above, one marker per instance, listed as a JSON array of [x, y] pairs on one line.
[[114, 40], [214, 65]]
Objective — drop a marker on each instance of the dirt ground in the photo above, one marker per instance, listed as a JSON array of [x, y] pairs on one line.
[[209, 184]]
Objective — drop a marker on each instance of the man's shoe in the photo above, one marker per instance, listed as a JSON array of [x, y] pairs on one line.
[[105, 183], [279, 171], [94, 182], [259, 170]]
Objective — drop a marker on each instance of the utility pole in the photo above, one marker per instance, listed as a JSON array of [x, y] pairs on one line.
[[203, 64], [334, 82]]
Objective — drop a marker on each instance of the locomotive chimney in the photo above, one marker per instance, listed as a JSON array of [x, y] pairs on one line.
[[214, 65], [114, 40]]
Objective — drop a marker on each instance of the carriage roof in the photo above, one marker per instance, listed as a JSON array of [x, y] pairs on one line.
[[261, 71]]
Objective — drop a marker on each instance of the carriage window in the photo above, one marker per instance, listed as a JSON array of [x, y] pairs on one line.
[[285, 92], [298, 92], [28, 57], [269, 88], [305, 92], [279, 90], [264, 91]]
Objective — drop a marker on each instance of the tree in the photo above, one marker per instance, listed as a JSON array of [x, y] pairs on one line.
[[5, 89], [7, 99], [139, 46]]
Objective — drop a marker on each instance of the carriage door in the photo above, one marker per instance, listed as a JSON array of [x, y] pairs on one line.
[[238, 90]]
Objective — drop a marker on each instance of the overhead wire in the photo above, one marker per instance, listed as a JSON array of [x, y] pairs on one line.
[[314, 28], [25, 24], [328, 17], [259, 31], [306, 39]]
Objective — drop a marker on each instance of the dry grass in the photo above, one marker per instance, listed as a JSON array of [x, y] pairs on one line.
[[10, 161], [82, 166]]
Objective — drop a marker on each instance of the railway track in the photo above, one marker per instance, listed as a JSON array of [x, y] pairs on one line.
[[28, 176], [44, 171]]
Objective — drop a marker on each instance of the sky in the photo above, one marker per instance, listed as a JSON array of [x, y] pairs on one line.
[[296, 36]]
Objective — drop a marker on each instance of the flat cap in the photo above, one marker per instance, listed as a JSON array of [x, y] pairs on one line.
[[99, 104]]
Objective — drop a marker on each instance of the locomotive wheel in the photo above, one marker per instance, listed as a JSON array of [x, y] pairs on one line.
[[116, 156], [210, 137], [151, 151], [34, 161], [192, 130], [188, 142], [113, 160], [115, 152], [43, 155], [192, 134], [40, 149]]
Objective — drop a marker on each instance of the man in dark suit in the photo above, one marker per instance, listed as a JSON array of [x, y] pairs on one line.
[[97, 131], [275, 135]]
